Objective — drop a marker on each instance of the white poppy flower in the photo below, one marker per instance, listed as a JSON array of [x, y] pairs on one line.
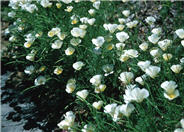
[[143, 46], [69, 8], [167, 57], [154, 38], [97, 105], [140, 80], [66, 1], [29, 69], [78, 65], [131, 53], [180, 33], [182, 43], [96, 4], [169, 86], [91, 21], [27, 44], [176, 68], [83, 26], [155, 52], [62, 35], [122, 36], [78, 32], [45, 3], [57, 44], [110, 109], [41, 80], [126, 77], [69, 51], [182, 123], [96, 80], [121, 20], [156, 31], [70, 87], [164, 44], [152, 71], [132, 24], [100, 88], [150, 20], [75, 41], [120, 46], [143, 65], [98, 42], [110, 27], [127, 109], [172, 96], [30, 57], [91, 11], [124, 58], [58, 70], [82, 94], [126, 13]]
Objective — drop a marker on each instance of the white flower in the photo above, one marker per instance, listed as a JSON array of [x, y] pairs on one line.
[[126, 13], [131, 53], [83, 26], [144, 64], [61, 36], [179, 130], [82, 94], [91, 21], [100, 88], [69, 51], [126, 109], [139, 80], [97, 105], [182, 60], [152, 71], [172, 96], [166, 56], [182, 123], [91, 11], [182, 43], [57, 44], [66, 1], [88, 128], [70, 87], [135, 94], [150, 20], [164, 44], [58, 70], [126, 77], [156, 31], [122, 36], [69, 8], [120, 27], [169, 86], [98, 42], [45, 3], [29, 69], [84, 20], [30, 57], [96, 80], [110, 27], [143, 46], [27, 44], [155, 52], [11, 14], [124, 58], [154, 38], [68, 122], [120, 46], [176, 68], [75, 41], [78, 65], [180, 33], [77, 32], [121, 20], [132, 24], [96, 4], [110, 109], [41, 80]]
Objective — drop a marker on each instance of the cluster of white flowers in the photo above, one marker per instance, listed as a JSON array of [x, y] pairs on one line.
[[96, 81]]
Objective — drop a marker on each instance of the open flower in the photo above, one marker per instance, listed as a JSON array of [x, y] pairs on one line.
[[41, 80], [127, 109], [126, 13], [98, 42], [100, 88], [176, 68], [57, 44], [78, 65], [156, 31], [69, 51], [164, 44], [143, 46], [71, 85], [58, 70], [96, 80], [132, 24], [166, 56], [29, 69], [152, 71], [150, 20], [126, 77], [97, 105], [78, 32], [180, 33], [154, 38], [144, 64], [122, 36], [82, 94]]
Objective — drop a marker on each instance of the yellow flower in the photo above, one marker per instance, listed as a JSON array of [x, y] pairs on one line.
[[58, 71], [110, 46], [74, 21], [27, 44], [51, 33]]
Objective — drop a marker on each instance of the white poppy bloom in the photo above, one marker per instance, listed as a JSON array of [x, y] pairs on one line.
[[156, 30], [121, 20], [11, 14], [69, 8], [143, 46], [179, 130], [30, 57], [69, 51], [58, 70], [127, 109], [27, 44], [154, 38], [176, 68], [78, 32], [70, 87], [120, 46], [124, 58], [139, 80], [131, 53], [166, 56], [132, 24], [180, 33], [29, 69], [155, 52], [172, 96], [122, 36], [91, 11], [97, 105], [78, 65], [126, 77], [45, 3], [66, 1], [152, 71], [126, 13], [82, 94], [96, 80], [96, 5], [164, 44], [110, 27], [150, 20], [100, 88], [169, 86], [110, 109], [41, 80], [98, 42], [88, 128], [182, 43], [143, 65], [75, 41], [57, 44], [91, 21]]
